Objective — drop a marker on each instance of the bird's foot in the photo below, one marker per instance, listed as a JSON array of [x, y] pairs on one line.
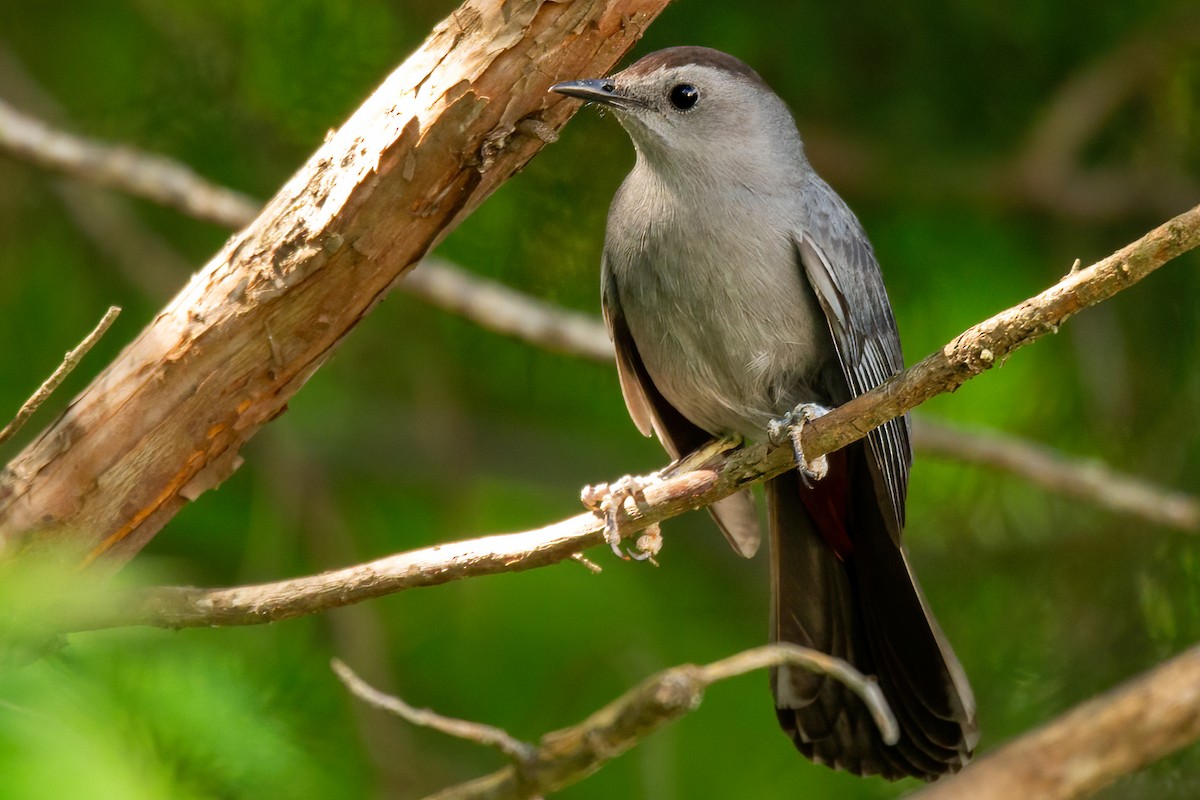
[[702, 456], [609, 499], [790, 427]]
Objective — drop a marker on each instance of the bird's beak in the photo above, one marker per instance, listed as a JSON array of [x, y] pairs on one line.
[[597, 90]]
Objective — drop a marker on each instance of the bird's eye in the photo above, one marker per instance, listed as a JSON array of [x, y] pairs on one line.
[[684, 96]]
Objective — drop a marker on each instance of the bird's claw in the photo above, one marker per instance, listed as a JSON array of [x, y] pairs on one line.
[[790, 427], [609, 499]]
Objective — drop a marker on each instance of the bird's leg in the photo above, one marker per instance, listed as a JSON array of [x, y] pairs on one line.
[[702, 455], [790, 427], [609, 498]]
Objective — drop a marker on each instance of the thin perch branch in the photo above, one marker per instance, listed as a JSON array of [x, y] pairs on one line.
[[975, 350], [190, 607], [486, 735], [1092, 745], [69, 362], [569, 755]]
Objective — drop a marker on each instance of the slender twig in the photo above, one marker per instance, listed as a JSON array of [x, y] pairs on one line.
[[569, 755], [1091, 481], [486, 735], [590, 565], [509, 312], [1085, 749], [69, 362], [189, 607]]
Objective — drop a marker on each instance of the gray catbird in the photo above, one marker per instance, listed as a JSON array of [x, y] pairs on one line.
[[736, 286]]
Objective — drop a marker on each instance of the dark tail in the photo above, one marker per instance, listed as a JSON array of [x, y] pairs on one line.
[[863, 605]]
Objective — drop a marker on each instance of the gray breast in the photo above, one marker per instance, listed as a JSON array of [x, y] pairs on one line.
[[724, 320]]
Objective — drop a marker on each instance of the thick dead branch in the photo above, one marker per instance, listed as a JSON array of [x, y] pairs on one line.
[[569, 755], [1118, 733], [69, 362], [979, 348], [165, 421]]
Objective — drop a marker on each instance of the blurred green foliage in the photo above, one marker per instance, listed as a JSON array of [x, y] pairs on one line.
[[424, 428]]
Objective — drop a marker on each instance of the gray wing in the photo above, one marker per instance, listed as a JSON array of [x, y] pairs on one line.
[[841, 267], [735, 515]]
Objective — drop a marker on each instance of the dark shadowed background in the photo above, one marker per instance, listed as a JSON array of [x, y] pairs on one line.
[[986, 147]]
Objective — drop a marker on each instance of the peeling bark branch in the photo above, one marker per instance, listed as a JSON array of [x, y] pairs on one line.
[[165, 421], [978, 348], [1089, 747]]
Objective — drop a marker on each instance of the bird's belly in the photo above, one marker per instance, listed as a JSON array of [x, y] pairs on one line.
[[729, 348]]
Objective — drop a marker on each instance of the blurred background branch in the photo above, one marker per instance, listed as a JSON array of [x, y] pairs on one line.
[[1052, 171], [1055, 170], [1088, 480]]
